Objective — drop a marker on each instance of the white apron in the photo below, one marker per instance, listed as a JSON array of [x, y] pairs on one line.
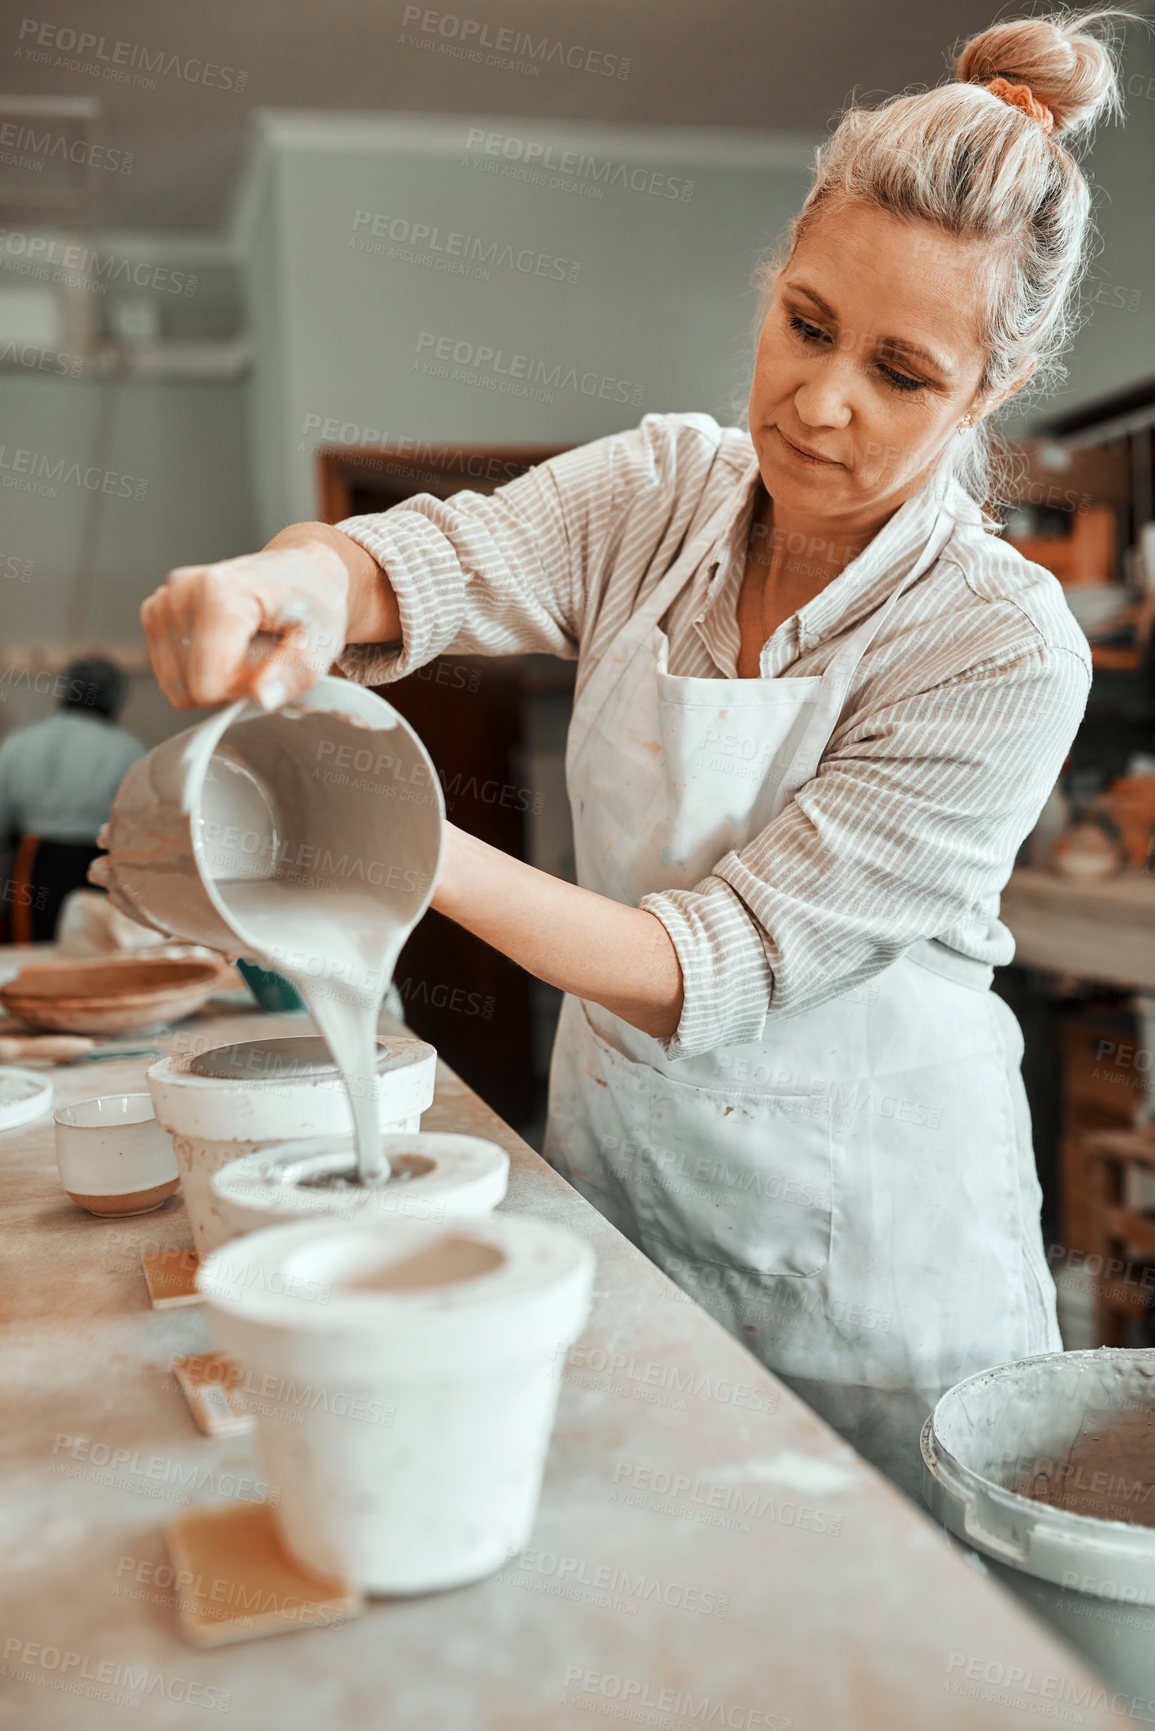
[[853, 1195]]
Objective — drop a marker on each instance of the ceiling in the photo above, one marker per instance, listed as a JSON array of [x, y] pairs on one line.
[[178, 113]]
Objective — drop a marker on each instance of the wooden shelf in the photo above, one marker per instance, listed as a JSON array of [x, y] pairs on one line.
[[1098, 931], [1117, 660], [1121, 1236]]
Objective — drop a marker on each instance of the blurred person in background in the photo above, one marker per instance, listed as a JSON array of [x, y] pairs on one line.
[[58, 779]]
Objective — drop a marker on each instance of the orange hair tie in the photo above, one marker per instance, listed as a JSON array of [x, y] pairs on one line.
[[1019, 96]]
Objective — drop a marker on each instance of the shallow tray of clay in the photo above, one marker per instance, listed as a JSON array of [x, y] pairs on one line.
[[110, 996]]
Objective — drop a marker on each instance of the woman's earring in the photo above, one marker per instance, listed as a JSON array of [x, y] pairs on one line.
[[965, 422]]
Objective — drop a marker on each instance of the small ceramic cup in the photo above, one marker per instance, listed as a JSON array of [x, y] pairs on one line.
[[114, 1158]]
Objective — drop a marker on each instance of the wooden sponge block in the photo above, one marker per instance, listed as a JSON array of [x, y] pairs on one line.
[[236, 1581], [171, 1277], [209, 1381]]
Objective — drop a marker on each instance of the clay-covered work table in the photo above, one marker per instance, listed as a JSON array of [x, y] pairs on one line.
[[707, 1552]]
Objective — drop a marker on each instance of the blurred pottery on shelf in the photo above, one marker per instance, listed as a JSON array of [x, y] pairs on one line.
[[1097, 604], [1052, 822], [1089, 849], [1129, 804]]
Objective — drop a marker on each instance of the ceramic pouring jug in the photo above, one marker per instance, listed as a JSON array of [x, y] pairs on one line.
[[329, 803]]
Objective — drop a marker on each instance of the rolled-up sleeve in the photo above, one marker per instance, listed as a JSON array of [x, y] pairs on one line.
[[516, 570], [908, 830]]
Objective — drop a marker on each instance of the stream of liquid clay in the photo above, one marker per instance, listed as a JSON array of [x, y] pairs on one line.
[[346, 950], [290, 841]]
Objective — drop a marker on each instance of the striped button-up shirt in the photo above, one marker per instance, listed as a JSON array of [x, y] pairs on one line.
[[953, 732]]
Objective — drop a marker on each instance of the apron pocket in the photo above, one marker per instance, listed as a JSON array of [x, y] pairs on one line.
[[598, 1106], [741, 1180]]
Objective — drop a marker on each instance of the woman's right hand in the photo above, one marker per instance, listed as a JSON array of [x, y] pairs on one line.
[[204, 625]]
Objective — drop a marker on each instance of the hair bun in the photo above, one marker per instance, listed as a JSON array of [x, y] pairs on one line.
[[1067, 68]]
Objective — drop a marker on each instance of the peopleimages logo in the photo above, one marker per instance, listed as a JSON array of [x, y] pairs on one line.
[[83, 267], [39, 359], [647, 1703], [512, 48], [43, 146], [616, 1580], [542, 164], [992, 1680], [112, 1680], [710, 1504], [520, 375], [416, 242], [16, 569], [160, 1476], [119, 62], [37, 472]]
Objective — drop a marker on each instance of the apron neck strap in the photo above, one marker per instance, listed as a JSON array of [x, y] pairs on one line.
[[637, 629]]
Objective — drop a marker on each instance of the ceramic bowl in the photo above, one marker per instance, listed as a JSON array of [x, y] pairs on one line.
[[110, 996], [114, 1159]]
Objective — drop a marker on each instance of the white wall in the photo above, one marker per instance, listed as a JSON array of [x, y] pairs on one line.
[[347, 322], [263, 255], [1116, 346], [654, 297], [659, 305], [76, 560], [175, 459]]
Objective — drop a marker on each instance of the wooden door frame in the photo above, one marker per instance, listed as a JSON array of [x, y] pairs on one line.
[[480, 468]]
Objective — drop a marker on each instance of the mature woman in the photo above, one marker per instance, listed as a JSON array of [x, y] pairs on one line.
[[819, 705]]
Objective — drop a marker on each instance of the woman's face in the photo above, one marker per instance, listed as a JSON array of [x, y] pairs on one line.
[[868, 360]]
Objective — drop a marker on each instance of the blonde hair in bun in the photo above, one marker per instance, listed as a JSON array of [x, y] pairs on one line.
[[982, 168], [1068, 70]]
